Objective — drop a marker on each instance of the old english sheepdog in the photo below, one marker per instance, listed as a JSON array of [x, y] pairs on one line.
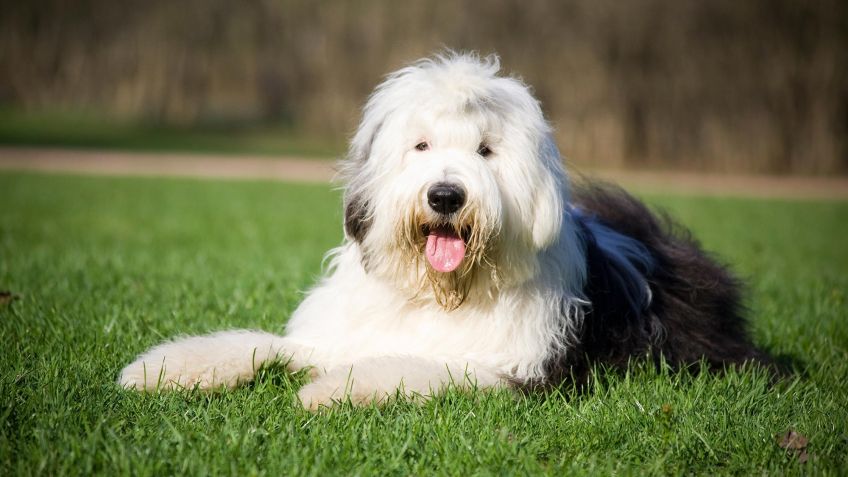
[[469, 261]]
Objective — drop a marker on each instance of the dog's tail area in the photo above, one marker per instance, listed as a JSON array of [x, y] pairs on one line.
[[223, 359]]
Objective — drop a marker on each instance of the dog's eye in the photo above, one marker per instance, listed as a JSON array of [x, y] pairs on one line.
[[484, 150], [422, 146]]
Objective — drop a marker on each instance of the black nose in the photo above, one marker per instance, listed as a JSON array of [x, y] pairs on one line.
[[445, 198]]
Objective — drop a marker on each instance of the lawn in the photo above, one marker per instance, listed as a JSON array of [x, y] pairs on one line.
[[102, 268]]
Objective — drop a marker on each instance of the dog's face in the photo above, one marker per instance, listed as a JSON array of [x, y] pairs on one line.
[[452, 181]]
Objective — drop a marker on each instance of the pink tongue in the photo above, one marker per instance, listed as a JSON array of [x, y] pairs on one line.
[[444, 250]]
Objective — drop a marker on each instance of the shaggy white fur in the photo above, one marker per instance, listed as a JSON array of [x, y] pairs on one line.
[[384, 321]]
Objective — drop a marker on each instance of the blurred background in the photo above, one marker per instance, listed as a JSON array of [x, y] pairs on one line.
[[757, 86]]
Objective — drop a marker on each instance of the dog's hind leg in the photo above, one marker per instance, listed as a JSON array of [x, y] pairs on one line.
[[376, 380], [223, 359]]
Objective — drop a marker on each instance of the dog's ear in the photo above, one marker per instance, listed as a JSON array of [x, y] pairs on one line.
[[357, 217], [354, 172], [551, 192]]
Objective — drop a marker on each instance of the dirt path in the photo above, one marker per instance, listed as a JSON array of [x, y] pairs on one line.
[[319, 171], [174, 165]]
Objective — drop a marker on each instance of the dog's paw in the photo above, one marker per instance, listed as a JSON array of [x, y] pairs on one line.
[[201, 362], [316, 395], [151, 373], [336, 388]]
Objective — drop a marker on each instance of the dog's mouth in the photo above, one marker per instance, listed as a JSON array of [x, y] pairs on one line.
[[445, 248]]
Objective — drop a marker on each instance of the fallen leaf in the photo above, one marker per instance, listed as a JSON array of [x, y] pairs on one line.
[[793, 441], [6, 297]]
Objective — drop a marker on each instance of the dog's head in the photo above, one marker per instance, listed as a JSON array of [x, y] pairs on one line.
[[453, 182]]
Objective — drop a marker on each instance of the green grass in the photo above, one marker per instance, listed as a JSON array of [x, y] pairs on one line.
[[105, 268], [78, 130]]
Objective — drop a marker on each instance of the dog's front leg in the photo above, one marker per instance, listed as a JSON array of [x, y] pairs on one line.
[[376, 380], [223, 359]]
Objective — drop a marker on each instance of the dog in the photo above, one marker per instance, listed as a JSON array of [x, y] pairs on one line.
[[470, 260]]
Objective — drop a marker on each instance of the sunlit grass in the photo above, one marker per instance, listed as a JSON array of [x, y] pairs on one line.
[[104, 268]]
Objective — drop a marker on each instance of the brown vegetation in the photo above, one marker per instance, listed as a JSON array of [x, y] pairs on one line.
[[724, 85]]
